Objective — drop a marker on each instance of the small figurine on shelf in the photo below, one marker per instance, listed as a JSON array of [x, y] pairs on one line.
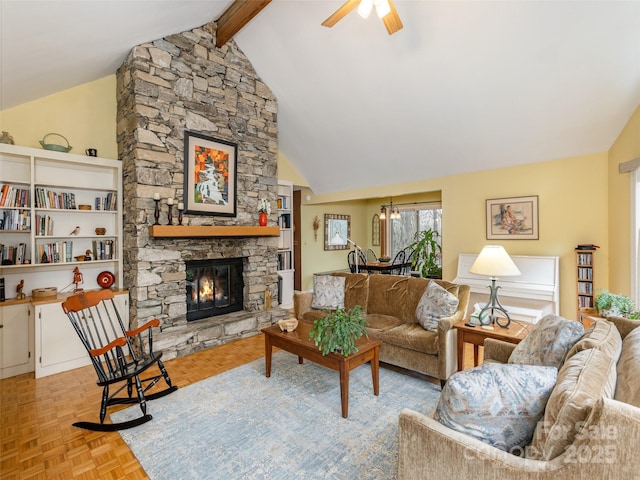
[[6, 138], [87, 256], [19, 293], [77, 279]]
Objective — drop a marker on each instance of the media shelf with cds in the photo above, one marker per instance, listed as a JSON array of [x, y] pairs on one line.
[[584, 274], [58, 211]]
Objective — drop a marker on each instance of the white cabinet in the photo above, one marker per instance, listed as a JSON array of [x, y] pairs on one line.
[[58, 347], [44, 196], [16, 339], [285, 243]]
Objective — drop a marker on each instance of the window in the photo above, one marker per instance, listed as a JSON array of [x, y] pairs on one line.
[[414, 218]]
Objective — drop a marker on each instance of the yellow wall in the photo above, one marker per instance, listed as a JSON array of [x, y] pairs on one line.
[[287, 172], [576, 206], [85, 115], [571, 195], [625, 148]]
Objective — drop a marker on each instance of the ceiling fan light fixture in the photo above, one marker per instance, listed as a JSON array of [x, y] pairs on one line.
[[382, 7], [365, 7]]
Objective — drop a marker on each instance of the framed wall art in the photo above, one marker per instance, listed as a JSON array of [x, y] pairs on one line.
[[512, 218], [210, 175], [337, 229]]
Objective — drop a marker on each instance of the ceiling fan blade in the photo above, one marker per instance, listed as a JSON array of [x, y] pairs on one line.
[[392, 20], [341, 12]]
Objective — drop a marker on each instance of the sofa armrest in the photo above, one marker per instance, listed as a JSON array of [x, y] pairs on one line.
[[599, 452], [302, 303], [497, 350]]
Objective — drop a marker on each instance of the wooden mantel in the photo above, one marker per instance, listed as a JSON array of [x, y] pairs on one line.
[[185, 231]]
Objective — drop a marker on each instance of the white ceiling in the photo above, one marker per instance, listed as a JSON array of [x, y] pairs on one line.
[[465, 86]]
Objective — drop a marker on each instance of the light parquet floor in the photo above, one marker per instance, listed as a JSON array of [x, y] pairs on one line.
[[38, 441]]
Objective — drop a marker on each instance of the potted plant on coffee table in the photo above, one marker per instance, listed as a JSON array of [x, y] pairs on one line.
[[339, 330]]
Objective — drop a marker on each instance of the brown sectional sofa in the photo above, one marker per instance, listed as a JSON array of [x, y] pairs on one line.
[[389, 303], [596, 409]]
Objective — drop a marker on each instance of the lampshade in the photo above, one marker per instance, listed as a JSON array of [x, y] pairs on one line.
[[364, 9], [494, 261], [383, 213]]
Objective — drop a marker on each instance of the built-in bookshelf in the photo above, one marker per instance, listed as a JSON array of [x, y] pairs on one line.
[[58, 211], [285, 243], [584, 274]]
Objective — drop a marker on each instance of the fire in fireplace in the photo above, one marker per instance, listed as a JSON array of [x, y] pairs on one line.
[[214, 287]]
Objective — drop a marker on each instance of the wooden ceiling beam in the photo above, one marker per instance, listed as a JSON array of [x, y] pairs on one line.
[[236, 16]]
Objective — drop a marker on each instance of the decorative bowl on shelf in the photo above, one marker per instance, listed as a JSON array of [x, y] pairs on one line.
[[288, 325], [101, 231], [44, 292], [106, 279]]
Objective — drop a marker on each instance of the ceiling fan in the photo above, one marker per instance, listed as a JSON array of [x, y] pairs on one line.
[[384, 8]]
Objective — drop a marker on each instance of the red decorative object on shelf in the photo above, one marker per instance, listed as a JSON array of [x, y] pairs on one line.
[[106, 279], [263, 219]]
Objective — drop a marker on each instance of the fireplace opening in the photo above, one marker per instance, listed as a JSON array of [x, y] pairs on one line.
[[214, 287]]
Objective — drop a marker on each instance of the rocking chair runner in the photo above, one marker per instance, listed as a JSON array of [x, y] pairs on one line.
[[110, 345]]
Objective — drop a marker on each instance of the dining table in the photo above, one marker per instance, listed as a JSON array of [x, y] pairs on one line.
[[383, 267]]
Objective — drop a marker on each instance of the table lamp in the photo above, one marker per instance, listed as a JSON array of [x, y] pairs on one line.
[[494, 261]]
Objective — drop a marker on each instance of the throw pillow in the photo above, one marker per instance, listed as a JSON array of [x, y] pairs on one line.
[[627, 386], [499, 404], [548, 343], [328, 292], [583, 379], [436, 303], [602, 335]]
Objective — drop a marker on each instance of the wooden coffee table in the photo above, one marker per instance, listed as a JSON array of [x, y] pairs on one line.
[[476, 335], [298, 343]]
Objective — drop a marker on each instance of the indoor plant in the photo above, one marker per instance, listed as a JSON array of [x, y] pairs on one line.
[[427, 249], [615, 305], [339, 330]]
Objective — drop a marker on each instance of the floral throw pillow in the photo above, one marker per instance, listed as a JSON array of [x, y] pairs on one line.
[[548, 343], [436, 303], [328, 292]]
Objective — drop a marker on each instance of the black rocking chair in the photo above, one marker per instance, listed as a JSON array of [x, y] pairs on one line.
[[117, 354]]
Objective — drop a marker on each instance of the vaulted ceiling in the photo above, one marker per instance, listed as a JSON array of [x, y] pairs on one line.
[[464, 86]]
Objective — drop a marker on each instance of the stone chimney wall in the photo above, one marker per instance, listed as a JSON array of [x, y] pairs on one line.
[[183, 82]]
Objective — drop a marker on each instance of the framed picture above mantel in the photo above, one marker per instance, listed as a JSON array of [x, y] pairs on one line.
[[210, 175], [512, 218]]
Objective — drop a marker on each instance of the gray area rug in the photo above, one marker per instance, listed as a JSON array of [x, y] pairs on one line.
[[242, 425]]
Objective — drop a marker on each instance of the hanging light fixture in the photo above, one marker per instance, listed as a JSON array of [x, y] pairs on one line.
[[394, 212]]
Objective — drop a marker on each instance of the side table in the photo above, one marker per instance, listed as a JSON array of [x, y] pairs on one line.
[[515, 332]]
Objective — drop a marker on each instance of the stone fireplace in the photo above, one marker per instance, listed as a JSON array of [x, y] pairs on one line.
[[165, 87]]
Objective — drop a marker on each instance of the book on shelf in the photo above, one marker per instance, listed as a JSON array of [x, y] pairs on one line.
[[108, 202], [11, 196], [46, 198], [284, 260], [16, 220]]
